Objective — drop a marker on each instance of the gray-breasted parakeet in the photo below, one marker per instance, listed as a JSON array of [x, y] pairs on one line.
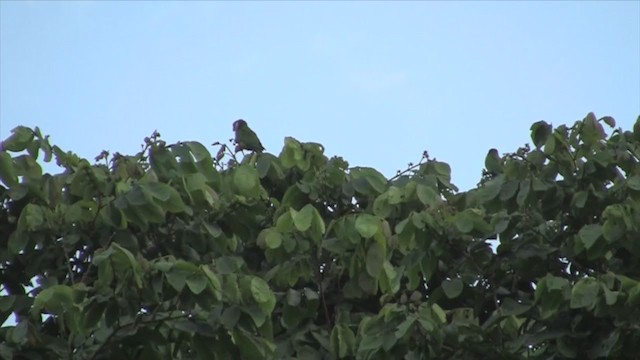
[[246, 139], [493, 162]]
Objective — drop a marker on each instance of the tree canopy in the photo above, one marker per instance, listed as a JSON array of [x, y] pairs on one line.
[[175, 253]]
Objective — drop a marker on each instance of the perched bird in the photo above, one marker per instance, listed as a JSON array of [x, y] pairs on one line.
[[493, 162], [246, 139]]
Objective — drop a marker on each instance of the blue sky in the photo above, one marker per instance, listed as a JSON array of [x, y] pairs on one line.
[[376, 83]]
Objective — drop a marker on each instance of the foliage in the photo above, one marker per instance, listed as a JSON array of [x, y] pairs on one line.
[[171, 253]]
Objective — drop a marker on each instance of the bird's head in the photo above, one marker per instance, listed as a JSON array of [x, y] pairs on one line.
[[239, 124]]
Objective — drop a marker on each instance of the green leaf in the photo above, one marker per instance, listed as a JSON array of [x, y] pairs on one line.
[[509, 307], [381, 206], [289, 244], [491, 189], [263, 164], [55, 299], [523, 194], [256, 314], [452, 288], [633, 182], [262, 295], [556, 283], [230, 288], [367, 283], [584, 293], [177, 279], [342, 341], [20, 332], [18, 240], [442, 168], [284, 224], [549, 146], [160, 191], [196, 283], [611, 297], [367, 225], [105, 268], [428, 266], [405, 327], [246, 180], [375, 259], [294, 197], [309, 294], [293, 297], [317, 225], [371, 329], [508, 190], [163, 162], [185, 326], [390, 282], [302, 219], [427, 195], [394, 195], [20, 138], [634, 295], [613, 230], [198, 150], [137, 196], [439, 313], [540, 131], [605, 345], [580, 199], [7, 172], [464, 222], [373, 177], [214, 280], [93, 313], [31, 218], [252, 347], [152, 213], [168, 197], [589, 234], [292, 152], [273, 239], [7, 302], [124, 260]]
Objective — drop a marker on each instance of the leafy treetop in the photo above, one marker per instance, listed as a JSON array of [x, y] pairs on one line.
[[173, 253]]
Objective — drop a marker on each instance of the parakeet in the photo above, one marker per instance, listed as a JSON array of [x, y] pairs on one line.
[[493, 162], [246, 139]]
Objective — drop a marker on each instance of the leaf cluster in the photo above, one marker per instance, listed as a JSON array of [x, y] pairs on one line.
[[168, 253]]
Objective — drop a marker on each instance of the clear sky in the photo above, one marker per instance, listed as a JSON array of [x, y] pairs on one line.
[[375, 82]]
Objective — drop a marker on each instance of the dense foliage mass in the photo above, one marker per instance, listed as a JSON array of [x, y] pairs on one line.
[[173, 253]]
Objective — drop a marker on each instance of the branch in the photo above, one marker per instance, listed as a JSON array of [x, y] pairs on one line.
[[411, 167]]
